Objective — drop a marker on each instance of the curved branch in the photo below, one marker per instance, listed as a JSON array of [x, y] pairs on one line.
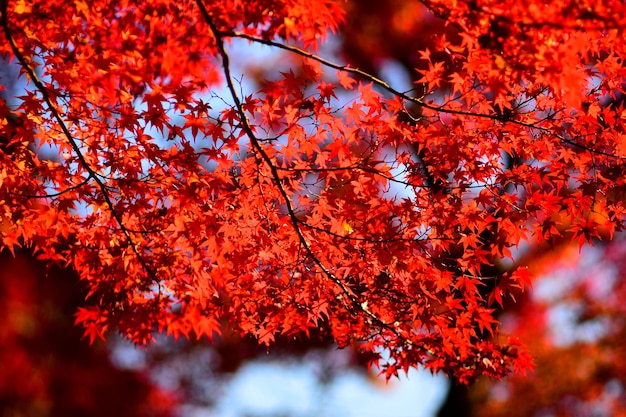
[[356, 303], [93, 174], [401, 95], [57, 194]]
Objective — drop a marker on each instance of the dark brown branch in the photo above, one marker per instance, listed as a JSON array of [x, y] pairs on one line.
[[356, 303], [93, 175], [401, 95]]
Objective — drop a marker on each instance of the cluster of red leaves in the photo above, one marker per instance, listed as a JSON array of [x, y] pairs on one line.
[[326, 199]]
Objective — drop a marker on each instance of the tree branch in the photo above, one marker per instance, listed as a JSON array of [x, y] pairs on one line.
[[356, 303], [418, 101], [92, 174]]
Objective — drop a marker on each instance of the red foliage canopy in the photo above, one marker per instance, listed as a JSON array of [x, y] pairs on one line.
[[326, 199]]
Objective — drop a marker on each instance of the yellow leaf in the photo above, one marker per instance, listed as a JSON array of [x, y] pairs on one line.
[[82, 8], [22, 7], [347, 227], [500, 62]]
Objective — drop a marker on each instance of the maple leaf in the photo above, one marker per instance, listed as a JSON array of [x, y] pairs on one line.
[[278, 199], [345, 80]]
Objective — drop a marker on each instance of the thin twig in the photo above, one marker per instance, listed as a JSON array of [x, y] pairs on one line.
[[356, 304], [93, 174], [401, 95]]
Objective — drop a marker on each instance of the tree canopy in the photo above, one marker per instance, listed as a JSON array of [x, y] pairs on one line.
[[324, 200]]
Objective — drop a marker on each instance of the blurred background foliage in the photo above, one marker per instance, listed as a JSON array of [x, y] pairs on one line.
[[573, 321]]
